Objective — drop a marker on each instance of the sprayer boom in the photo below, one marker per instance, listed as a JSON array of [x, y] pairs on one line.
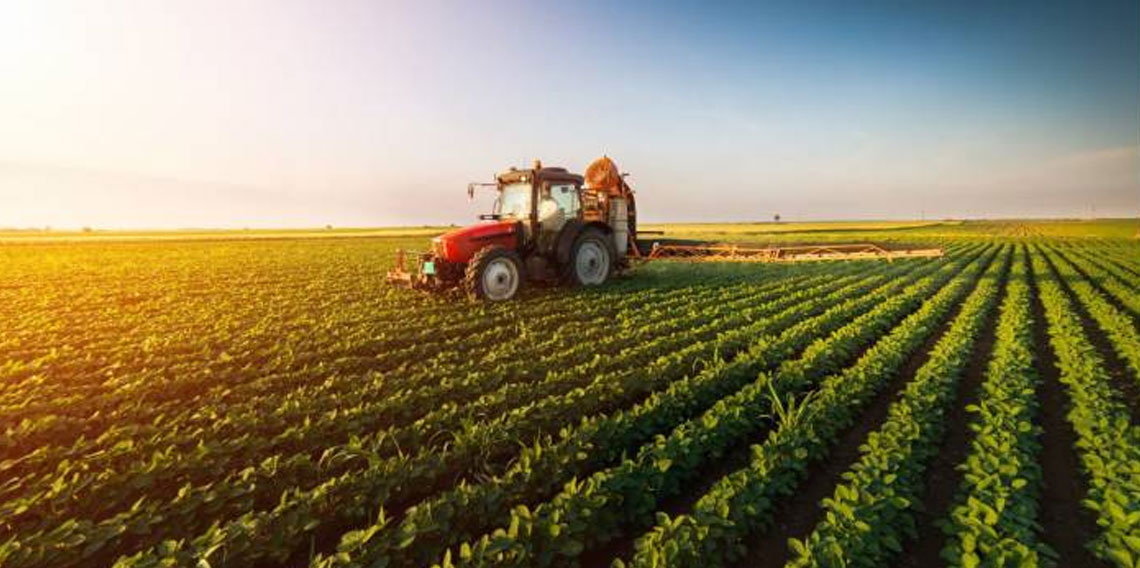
[[720, 252]]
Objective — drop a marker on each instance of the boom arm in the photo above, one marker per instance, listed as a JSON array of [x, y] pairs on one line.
[[718, 252]]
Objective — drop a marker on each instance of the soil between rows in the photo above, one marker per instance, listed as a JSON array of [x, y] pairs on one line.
[[1065, 525], [1117, 369], [328, 539], [1132, 312], [1124, 265], [623, 547], [737, 457], [942, 476], [1098, 284], [798, 514]]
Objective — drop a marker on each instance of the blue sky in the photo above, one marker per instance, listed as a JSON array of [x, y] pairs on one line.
[[378, 113]]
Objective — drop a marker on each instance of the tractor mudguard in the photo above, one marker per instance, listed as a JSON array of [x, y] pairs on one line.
[[564, 244]]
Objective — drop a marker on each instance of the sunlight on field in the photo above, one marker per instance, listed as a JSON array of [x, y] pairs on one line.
[[820, 226], [212, 234], [266, 398], [823, 231]]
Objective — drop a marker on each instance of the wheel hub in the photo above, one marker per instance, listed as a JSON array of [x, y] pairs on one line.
[[500, 279], [592, 263]]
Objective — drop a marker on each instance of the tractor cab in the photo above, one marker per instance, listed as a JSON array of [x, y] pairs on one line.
[[542, 200], [546, 225]]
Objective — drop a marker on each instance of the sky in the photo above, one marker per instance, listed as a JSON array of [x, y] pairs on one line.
[[281, 113]]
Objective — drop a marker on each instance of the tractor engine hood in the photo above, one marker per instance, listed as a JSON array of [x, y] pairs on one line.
[[460, 245]]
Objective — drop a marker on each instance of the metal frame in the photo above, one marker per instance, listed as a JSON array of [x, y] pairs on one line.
[[742, 253], [399, 273]]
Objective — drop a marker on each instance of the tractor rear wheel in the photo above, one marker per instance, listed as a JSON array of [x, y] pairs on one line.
[[591, 259], [495, 273]]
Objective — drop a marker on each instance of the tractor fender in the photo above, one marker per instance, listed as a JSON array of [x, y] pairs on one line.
[[564, 244]]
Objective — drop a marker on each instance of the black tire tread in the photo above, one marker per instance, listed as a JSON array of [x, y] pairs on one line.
[[569, 277], [472, 282]]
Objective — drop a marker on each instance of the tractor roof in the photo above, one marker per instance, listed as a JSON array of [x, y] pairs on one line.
[[546, 174]]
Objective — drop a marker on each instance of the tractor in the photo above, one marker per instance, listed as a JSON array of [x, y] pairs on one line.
[[548, 225]]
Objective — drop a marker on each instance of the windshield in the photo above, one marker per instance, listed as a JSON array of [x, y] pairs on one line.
[[514, 201]]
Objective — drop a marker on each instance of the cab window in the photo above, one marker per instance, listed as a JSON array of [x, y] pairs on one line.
[[567, 197], [514, 201]]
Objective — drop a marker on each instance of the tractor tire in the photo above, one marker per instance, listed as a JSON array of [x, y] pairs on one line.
[[592, 259], [495, 274]]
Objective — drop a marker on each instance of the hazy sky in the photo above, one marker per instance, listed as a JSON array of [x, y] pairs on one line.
[[277, 113]]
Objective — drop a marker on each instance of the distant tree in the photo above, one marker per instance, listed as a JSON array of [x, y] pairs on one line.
[[776, 217], [87, 229], [329, 227]]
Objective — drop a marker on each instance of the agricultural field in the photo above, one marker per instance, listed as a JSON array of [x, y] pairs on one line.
[[269, 400]]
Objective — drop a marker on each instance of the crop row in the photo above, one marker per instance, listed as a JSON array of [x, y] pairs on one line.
[[171, 457], [994, 519], [204, 505], [716, 530], [305, 343], [461, 514], [622, 499], [212, 492], [1108, 443], [283, 365], [1122, 285], [1119, 328], [350, 499], [491, 441], [871, 513]]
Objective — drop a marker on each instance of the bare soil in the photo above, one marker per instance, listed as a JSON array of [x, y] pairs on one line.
[[797, 515], [1116, 367], [736, 458], [1065, 525], [942, 475]]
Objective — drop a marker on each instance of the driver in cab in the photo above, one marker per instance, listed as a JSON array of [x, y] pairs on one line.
[[550, 215]]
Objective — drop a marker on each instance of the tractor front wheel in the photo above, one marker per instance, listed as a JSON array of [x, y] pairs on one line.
[[494, 274]]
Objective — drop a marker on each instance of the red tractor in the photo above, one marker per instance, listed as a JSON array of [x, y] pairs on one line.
[[548, 225]]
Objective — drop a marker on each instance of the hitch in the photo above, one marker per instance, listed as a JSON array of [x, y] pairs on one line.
[[399, 274], [429, 272]]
